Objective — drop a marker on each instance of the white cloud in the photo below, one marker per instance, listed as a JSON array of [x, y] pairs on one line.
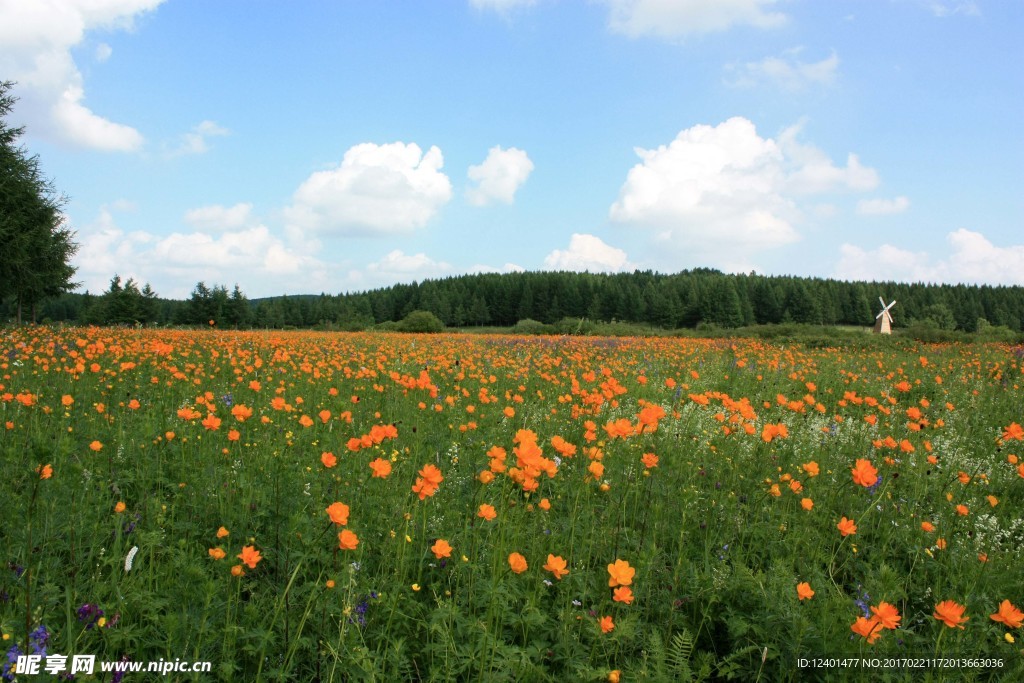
[[217, 217], [720, 194], [947, 8], [253, 256], [377, 189], [499, 176], [588, 253], [36, 39], [786, 72], [676, 18], [103, 52], [972, 259], [196, 141], [882, 207], [507, 268], [501, 6], [811, 171], [396, 266]]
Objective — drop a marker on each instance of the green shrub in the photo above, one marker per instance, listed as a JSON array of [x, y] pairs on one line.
[[421, 321]]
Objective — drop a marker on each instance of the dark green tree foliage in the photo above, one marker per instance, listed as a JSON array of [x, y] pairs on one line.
[[687, 299], [36, 245]]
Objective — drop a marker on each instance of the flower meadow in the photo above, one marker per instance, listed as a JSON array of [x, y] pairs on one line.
[[314, 506]]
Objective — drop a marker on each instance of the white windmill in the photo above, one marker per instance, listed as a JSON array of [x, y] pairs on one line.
[[883, 321]]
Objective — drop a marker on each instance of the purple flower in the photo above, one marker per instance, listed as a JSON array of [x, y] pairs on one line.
[[89, 615]]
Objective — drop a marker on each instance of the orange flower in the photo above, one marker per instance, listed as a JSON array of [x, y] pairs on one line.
[[212, 422], [45, 471], [234, 435], [868, 628], [623, 594], [620, 574], [811, 468], [426, 485], [96, 446], [864, 473], [887, 615], [441, 549], [381, 468], [486, 512], [241, 412], [217, 553], [804, 591], [962, 510], [1013, 431], [517, 563], [544, 504], [950, 613], [1008, 614], [237, 570], [650, 460], [222, 532], [556, 565], [846, 527], [338, 512], [927, 527], [250, 556], [120, 507], [67, 400], [607, 625], [347, 540], [329, 460]]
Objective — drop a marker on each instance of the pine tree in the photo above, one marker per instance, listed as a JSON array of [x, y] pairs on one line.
[[36, 246]]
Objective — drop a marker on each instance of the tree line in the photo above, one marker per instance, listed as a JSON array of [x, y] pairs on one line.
[[688, 299]]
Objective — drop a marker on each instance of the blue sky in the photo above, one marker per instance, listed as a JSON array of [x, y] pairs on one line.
[[311, 146]]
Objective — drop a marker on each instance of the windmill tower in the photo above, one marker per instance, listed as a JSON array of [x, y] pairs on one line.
[[883, 321]]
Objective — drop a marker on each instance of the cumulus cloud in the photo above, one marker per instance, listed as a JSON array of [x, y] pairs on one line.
[[811, 171], [377, 189], [882, 207], [720, 194], [217, 217], [786, 72], [196, 141], [36, 39], [499, 176], [973, 259], [175, 262], [677, 18], [588, 253]]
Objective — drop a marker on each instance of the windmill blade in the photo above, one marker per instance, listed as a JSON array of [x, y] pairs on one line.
[[881, 301], [881, 313]]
